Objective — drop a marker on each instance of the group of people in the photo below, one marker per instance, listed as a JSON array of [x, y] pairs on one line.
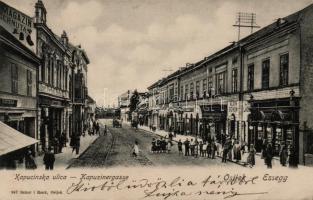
[[287, 154], [162, 145], [198, 148]]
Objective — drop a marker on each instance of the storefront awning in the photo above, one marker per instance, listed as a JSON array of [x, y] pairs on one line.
[[11, 139]]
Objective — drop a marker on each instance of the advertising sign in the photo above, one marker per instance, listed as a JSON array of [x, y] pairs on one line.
[[18, 24]]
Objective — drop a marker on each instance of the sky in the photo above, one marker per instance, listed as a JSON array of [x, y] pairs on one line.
[[133, 43]]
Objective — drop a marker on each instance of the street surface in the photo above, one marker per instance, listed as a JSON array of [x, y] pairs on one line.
[[115, 148]]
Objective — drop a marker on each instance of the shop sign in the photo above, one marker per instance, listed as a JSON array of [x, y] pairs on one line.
[[18, 24], [8, 102], [233, 109]]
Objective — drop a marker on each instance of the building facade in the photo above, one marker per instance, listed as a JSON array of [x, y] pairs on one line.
[[18, 74], [253, 90]]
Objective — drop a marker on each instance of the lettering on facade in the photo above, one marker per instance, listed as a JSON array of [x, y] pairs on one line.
[[18, 24], [8, 102]]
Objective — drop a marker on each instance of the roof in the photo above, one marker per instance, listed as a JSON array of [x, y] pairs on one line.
[[90, 100], [11, 139], [267, 30]]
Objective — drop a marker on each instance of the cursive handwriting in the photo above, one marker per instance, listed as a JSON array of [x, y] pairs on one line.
[[177, 187]]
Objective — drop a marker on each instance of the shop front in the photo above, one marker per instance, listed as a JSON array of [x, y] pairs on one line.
[[275, 122], [53, 119], [213, 121]]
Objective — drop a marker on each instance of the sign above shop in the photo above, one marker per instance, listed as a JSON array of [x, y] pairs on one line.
[[8, 102], [18, 24]]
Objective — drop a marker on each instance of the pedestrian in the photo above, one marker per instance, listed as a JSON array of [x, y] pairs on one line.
[[64, 139], [201, 148], [269, 155], [251, 156], [29, 160], [245, 153], [153, 145], [209, 149], [170, 137], [169, 146], [163, 144], [230, 149], [135, 149], [237, 151], [283, 154], [49, 159], [158, 146], [213, 149], [187, 146], [196, 148], [76, 144], [61, 143], [56, 145], [226, 148], [204, 148], [293, 163], [192, 147], [180, 147]]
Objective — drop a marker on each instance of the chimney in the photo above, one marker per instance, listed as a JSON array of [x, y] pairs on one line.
[[64, 38]]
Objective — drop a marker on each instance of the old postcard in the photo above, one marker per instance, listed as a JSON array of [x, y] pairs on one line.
[[155, 99]]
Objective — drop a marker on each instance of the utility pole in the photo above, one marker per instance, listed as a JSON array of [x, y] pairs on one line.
[[245, 20]]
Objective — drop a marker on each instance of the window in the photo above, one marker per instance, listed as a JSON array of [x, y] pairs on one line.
[[265, 74], [186, 92], [14, 78], [29, 83], [181, 92], [204, 88], [210, 86], [43, 69], [250, 77], [234, 80], [284, 69], [191, 90], [197, 89], [221, 82], [234, 61]]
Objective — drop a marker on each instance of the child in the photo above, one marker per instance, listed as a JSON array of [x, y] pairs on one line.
[[204, 149], [153, 145], [201, 148], [180, 147], [135, 149]]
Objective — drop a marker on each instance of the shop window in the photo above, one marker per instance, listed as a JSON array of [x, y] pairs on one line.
[[14, 78], [265, 74], [234, 80], [284, 69], [250, 85], [29, 83]]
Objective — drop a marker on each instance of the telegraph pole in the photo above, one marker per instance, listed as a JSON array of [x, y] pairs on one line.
[[245, 20]]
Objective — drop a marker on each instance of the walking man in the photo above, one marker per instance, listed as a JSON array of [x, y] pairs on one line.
[[186, 143], [49, 159]]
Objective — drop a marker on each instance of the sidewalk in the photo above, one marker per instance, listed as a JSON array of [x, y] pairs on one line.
[[259, 162], [62, 160]]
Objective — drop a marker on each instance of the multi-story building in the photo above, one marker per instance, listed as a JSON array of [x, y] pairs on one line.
[[256, 89], [123, 104], [18, 85], [53, 80]]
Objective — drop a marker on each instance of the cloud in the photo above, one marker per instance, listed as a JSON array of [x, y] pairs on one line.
[[76, 15]]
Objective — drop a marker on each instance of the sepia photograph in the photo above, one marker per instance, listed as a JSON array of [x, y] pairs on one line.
[[156, 99]]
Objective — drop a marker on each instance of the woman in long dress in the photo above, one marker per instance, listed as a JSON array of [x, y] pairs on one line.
[[136, 149], [251, 156]]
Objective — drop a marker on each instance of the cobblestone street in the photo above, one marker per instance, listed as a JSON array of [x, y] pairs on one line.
[[114, 149]]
